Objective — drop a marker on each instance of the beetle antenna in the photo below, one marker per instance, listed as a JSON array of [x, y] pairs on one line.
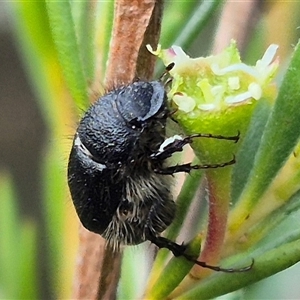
[[169, 67]]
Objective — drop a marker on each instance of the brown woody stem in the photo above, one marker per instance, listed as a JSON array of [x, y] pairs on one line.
[[135, 24]]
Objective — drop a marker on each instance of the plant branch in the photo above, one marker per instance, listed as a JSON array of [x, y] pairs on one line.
[[135, 23]]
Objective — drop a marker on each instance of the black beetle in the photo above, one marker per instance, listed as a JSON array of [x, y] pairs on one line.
[[117, 168], [111, 175]]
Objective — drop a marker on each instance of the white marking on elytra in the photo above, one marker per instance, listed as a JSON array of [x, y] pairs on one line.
[[78, 143]]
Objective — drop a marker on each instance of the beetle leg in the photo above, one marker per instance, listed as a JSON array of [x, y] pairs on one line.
[[179, 250], [189, 167], [176, 143]]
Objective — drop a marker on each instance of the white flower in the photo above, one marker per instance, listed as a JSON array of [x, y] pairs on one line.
[[217, 82]]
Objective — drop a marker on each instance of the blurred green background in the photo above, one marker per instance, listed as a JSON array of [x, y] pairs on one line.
[[38, 226]]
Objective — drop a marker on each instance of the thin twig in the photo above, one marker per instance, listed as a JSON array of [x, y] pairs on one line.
[[131, 24], [135, 24]]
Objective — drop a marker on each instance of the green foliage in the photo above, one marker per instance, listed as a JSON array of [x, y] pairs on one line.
[[60, 43], [18, 250], [64, 36], [279, 138]]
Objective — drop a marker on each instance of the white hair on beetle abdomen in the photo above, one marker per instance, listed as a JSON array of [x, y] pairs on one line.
[[141, 194]]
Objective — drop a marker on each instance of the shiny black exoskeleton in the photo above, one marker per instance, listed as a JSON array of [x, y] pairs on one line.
[[117, 170], [111, 176]]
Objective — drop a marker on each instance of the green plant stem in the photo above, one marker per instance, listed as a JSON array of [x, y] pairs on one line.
[[218, 182], [218, 210], [219, 201], [265, 264]]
